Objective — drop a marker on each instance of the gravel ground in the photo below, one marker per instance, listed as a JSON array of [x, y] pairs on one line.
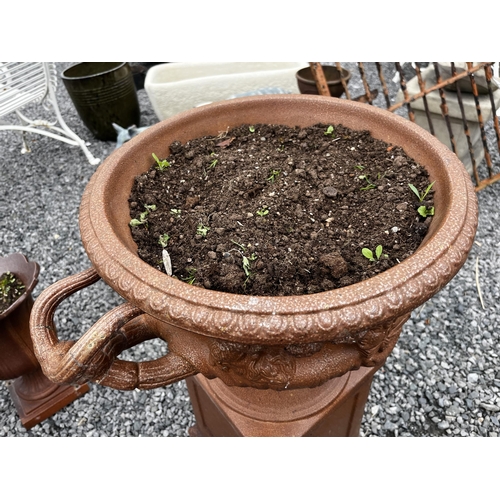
[[442, 379]]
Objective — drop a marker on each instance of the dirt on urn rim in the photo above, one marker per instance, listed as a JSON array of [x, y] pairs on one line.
[[11, 288], [272, 210]]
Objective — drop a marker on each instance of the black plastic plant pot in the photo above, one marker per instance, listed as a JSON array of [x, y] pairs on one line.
[[103, 93]]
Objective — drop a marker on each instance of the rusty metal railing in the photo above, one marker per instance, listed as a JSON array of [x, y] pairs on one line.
[[453, 108]]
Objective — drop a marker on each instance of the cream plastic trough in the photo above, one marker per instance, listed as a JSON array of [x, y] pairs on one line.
[[176, 87]]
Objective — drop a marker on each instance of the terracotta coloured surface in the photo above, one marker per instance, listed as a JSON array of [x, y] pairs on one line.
[[16, 350], [19, 265], [34, 395], [262, 342], [335, 409]]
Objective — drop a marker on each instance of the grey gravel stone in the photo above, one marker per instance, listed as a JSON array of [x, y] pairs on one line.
[[443, 425], [443, 377], [489, 407]]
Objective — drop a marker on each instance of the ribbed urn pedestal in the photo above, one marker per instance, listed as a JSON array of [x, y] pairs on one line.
[[255, 365], [34, 395]]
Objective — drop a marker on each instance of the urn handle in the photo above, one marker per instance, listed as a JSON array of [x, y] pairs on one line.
[[93, 356]]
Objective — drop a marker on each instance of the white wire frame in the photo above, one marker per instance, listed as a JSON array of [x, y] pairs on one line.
[[35, 82]]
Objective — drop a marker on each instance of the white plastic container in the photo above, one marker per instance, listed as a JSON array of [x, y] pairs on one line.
[[176, 87]]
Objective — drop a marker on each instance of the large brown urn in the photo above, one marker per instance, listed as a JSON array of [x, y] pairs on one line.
[[299, 365]]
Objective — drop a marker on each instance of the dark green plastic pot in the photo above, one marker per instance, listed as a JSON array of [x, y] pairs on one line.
[[103, 93]]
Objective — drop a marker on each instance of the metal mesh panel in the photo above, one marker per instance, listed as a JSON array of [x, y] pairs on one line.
[[456, 102]]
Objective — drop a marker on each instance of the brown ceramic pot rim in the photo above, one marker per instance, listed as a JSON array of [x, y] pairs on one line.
[[331, 315]]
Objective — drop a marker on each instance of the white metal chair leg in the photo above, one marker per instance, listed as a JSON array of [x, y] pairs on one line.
[[76, 141]]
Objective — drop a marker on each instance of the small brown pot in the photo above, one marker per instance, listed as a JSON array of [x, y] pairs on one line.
[[250, 343], [35, 396], [16, 353], [307, 84]]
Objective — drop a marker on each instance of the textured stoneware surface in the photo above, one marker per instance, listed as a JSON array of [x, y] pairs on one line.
[[106, 235], [16, 353], [209, 332]]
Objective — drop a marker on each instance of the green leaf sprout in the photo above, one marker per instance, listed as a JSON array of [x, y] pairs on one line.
[[378, 253], [273, 175], [369, 185], [247, 265], [143, 216], [202, 230], [6, 283], [191, 277], [163, 240], [330, 131], [425, 211], [421, 196], [160, 164]]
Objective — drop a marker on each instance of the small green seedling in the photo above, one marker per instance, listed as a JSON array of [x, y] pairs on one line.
[[6, 283], [378, 253], [421, 196], [239, 244], [359, 167], [251, 128], [246, 261], [247, 265], [140, 221], [202, 230], [175, 211], [163, 240], [212, 165], [143, 216], [191, 277], [161, 165], [330, 131], [425, 211], [273, 175], [262, 211], [369, 185]]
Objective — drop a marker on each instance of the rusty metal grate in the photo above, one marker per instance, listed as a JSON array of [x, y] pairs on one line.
[[456, 102]]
